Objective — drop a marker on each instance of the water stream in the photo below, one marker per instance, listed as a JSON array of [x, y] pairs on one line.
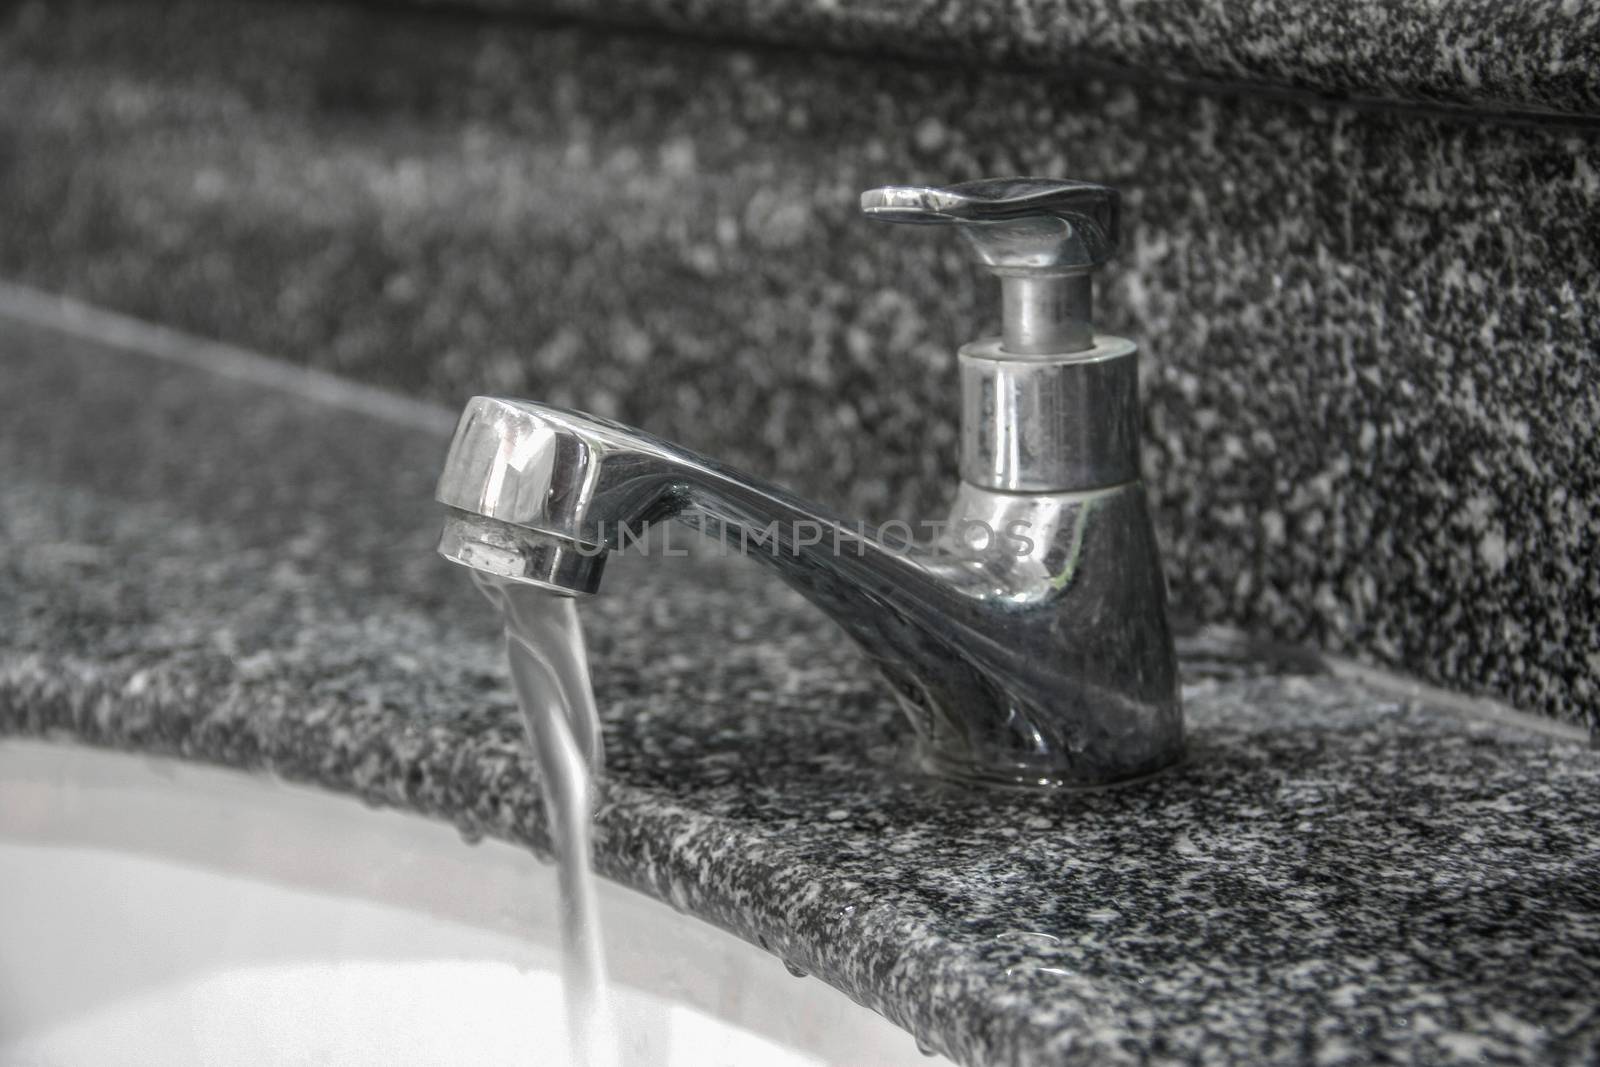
[[550, 672]]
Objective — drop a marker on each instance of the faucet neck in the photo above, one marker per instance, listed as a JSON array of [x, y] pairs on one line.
[[1046, 312]]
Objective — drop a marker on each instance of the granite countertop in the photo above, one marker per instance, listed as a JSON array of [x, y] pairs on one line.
[[1519, 56], [217, 557]]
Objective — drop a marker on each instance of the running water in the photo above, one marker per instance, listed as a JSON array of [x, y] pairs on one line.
[[550, 672]]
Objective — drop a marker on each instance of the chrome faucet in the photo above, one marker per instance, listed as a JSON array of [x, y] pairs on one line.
[[1027, 641]]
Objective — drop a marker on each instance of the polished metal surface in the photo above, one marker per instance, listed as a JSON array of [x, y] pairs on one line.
[[1050, 405], [510, 551], [1029, 223], [1026, 637], [1040, 236], [1043, 314], [1029, 644], [1050, 423]]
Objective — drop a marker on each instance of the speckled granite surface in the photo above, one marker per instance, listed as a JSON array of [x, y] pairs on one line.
[[204, 566], [1512, 55], [1370, 339]]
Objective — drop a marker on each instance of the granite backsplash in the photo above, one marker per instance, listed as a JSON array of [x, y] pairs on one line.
[[1515, 56], [1371, 335]]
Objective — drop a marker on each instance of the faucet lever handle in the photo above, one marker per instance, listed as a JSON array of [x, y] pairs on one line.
[[1014, 224], [1041, 236]]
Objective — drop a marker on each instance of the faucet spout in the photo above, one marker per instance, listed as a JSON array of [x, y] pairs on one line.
[[1027, 641]]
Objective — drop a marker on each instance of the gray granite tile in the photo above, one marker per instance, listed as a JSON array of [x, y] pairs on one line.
[[1370, 338], [1511, 55], [203, 566]]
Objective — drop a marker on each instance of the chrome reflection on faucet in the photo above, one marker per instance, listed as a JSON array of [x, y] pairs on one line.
[[1048, 665]]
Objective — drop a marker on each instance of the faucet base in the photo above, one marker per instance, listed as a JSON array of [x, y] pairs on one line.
[[1024, 779], [1050, 661]]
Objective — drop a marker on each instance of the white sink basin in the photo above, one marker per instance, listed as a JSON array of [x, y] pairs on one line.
[[157, 912]]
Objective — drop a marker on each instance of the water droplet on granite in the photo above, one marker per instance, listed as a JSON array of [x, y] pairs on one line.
[[1021, 969], [1032, 938]]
